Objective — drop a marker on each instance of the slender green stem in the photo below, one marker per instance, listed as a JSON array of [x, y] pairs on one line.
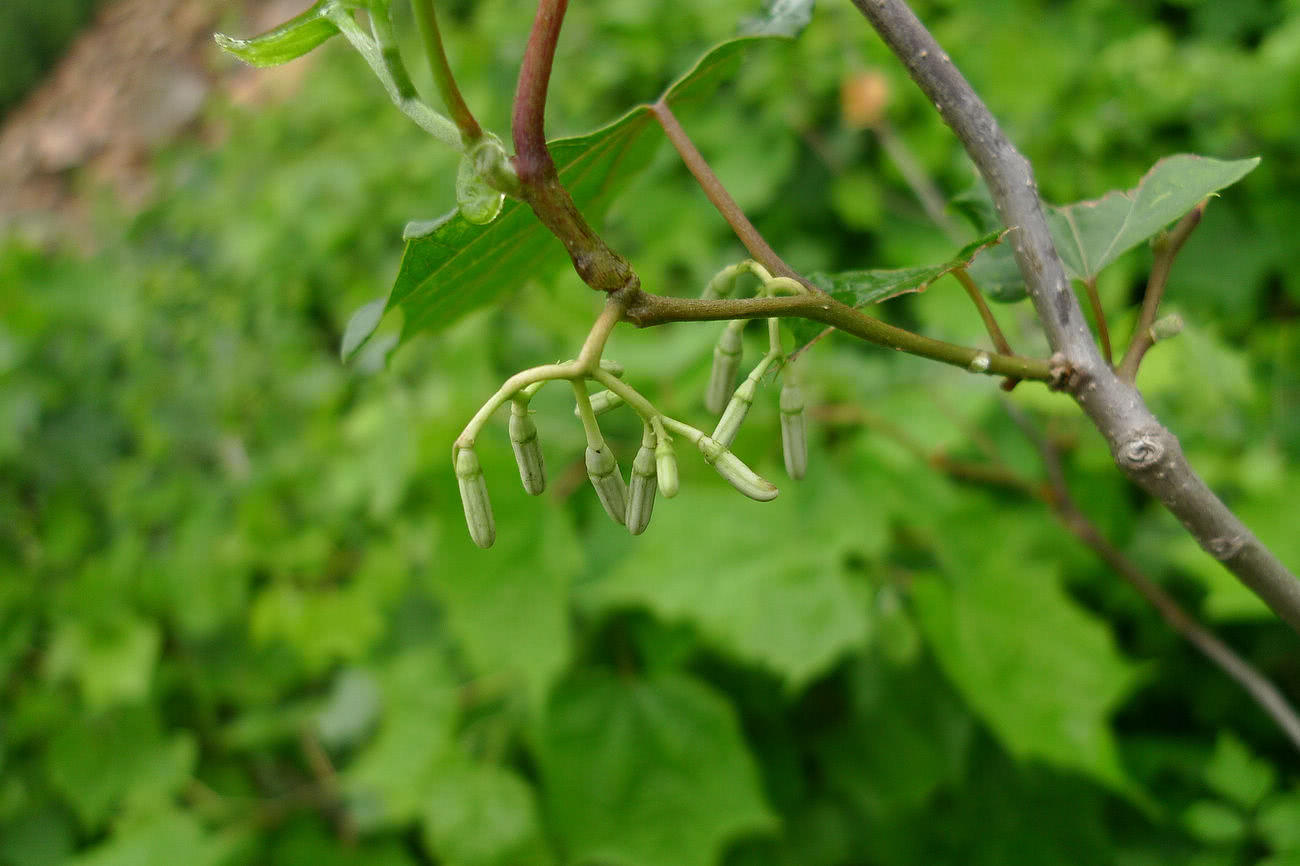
[[590, 426], [726, 205], [516, 383], [1099, 316], [990, 324], [594, 346], [425, 117], [645, 309], [1166, 250], [426, 21]]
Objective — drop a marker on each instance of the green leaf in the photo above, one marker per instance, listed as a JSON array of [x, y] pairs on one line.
[[483, 815], [791, 609], [112, 662], [509, 606], [389, 777], [907, 735], [96, 764], [289, 41], [173, 838], [859, 288], [1040, 671], [1214, 822], [361, 325], [1092, 234], [1234, 773], [1279, 822], [646, 772], [452, 266]]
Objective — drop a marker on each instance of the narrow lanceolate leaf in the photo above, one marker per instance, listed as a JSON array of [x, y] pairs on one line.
[[1092, 234], [859, 288], [289, 41], [474, 498], [611, 489], [726, 363], [528, 451], [452, 266], [642, 488]]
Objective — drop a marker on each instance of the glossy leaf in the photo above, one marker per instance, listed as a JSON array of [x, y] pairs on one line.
[[452, 266], [1092, 234], [289, 41], [646, 772]]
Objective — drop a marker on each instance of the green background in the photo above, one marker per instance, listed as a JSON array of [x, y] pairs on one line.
[[241, 620]]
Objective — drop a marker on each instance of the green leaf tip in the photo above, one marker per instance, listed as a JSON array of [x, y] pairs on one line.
[[289, 41]]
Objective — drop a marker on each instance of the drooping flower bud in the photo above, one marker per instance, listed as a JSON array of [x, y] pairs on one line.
[[722, 284], [528, 451], [474, 498], [726, 363], [794, 428], [611, 489], [613, 368], [666, 467], [602, 402], [737, 409], [735, 472], [643, 486]]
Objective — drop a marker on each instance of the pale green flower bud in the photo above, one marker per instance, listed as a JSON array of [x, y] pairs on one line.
[[722, 283], [666, 468], [726, 363], [528, 451], [736, 473], [642, 488], [613, 368], [611, 489], [602, 402], [794, 430], [734, 416], [474, 498]]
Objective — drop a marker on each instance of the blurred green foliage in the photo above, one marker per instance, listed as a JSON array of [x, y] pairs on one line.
[[241, 620], [32, 35]]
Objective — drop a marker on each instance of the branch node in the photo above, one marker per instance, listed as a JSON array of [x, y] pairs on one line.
[[1141, 452], [1225, 547]]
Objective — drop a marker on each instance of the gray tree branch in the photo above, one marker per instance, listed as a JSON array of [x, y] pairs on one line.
[[1148, 453]]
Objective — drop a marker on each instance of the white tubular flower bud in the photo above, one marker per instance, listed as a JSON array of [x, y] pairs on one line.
[[666, 468], [736, 473], [474, 498], [794, 429], [726, 363], [602, 402], [528, 452], [613, 368], [734, 416], [602, 469], [643, 486]]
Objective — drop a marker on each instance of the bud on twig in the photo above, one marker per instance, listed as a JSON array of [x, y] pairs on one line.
[[666, 467], [736, 473], [794, 428], [611, 489], [613, 368], [528, 452], [726, 363], [1166, 327], [722, 284], [474, 498], [641, 489]]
